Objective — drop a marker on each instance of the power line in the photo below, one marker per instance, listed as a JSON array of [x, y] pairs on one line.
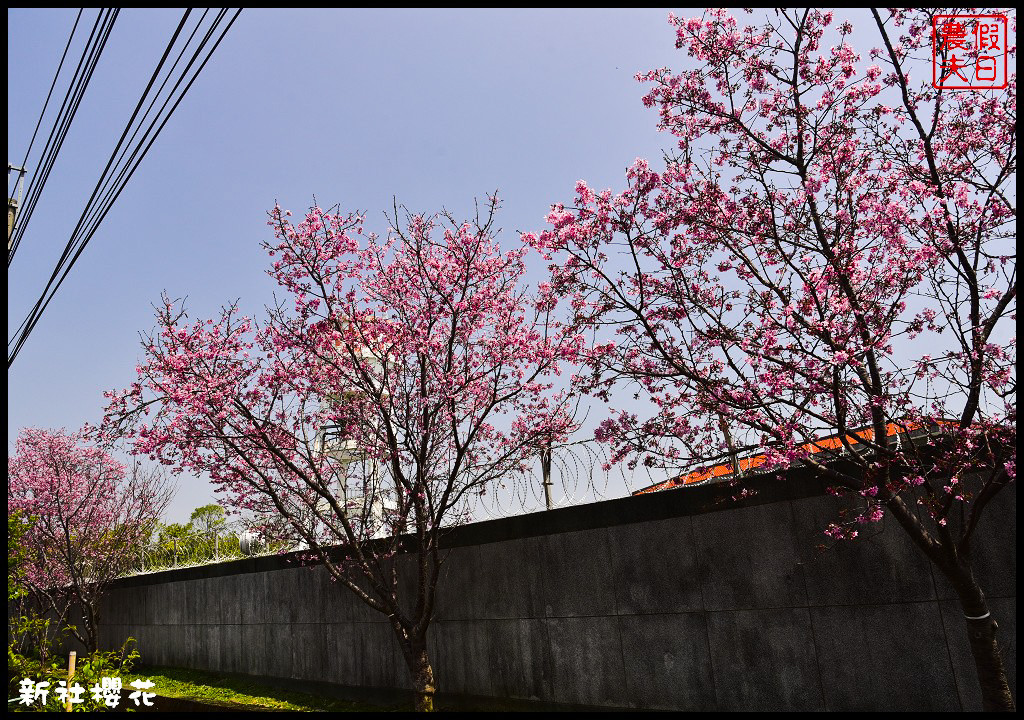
[[69, 248], [52, 85], [69, 107], [109, 190]]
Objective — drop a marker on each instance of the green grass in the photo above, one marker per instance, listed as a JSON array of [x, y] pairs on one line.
[[223, 688]]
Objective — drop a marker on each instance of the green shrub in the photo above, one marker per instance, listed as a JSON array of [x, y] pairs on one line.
[[25, 674]]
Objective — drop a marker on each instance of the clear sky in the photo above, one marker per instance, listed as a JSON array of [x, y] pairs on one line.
[[355, 107]]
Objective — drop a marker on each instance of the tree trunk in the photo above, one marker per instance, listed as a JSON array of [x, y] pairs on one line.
[[981, 633], [422, 677], [90, 619], [93, 633]]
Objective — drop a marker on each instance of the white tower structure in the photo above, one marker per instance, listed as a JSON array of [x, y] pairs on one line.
[[365, 497]]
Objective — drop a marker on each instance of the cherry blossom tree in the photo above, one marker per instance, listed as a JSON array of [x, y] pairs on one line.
[[829, 253], [403, 375], [87, 516]]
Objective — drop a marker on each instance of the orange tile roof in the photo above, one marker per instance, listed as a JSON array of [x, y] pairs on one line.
[[722, 470]]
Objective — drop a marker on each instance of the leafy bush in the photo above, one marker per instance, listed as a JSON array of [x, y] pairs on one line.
[[28, 673]]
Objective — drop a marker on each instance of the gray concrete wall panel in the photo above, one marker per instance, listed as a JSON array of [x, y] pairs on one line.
[[686, 601]]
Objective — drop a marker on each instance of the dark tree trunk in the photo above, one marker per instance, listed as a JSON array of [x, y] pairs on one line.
[[414, 650], [981, 633], [422, 676], [92, 630]]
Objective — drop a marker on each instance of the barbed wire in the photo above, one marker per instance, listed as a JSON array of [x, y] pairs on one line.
[[189, 550], [580, 473]]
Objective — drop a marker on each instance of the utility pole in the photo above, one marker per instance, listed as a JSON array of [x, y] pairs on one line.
[[733, 456], [13, 202], [545, 467]]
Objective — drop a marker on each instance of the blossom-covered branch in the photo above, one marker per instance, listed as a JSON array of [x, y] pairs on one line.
[[403, 375], [87, 517], [829, 253]]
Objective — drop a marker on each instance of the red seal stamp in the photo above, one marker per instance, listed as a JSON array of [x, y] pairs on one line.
[[969, 52]]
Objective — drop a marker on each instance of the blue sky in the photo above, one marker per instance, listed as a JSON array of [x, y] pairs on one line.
[[434, 108]]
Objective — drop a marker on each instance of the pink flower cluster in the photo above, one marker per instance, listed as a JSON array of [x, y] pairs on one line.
[[763, 288], [422, 352]]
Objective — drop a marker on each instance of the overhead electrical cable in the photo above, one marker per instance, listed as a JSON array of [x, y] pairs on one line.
[[107, 189], [69, 107], [53, 84], [25, 328], [69, 248], [111, 184], [64, 116]]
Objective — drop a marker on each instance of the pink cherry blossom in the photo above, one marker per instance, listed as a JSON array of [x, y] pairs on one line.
[[88, 515], [829, 253], [402, 375]]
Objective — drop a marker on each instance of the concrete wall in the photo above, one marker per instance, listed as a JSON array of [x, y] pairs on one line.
[[680, 600]]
